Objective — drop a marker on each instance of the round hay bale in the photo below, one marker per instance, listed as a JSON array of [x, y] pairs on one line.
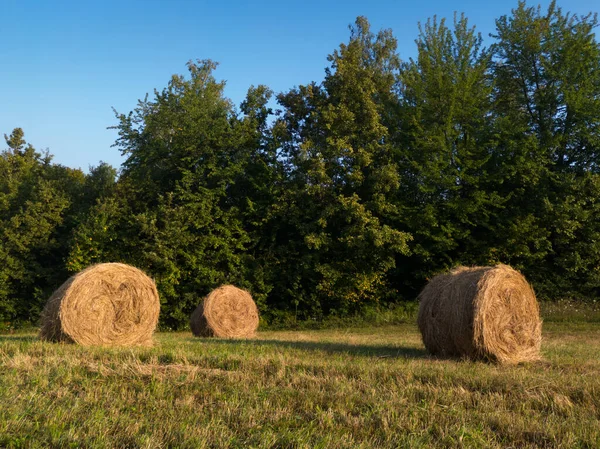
[[226, 312], [486, 313], [105, 304]]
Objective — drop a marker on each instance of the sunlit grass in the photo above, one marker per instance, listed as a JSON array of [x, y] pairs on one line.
[[360, 387]]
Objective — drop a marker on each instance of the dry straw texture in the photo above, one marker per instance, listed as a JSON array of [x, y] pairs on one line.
[[105, 304], [486, 313], [226, 312]]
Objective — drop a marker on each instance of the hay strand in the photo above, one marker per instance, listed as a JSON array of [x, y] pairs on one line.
[[226, 312], [486, 313], [105, 304]]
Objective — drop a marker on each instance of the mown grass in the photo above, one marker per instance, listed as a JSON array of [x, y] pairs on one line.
[[354, 388]]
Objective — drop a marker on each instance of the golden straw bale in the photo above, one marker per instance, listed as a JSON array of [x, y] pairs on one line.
[[486, 313], [105, 304], [226, 312]]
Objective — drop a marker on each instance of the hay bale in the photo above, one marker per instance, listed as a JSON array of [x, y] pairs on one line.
[[486, 313], [105, 304], [226, 312]]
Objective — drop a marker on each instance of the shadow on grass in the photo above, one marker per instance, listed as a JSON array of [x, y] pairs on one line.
[[331, 348], [14, 338]]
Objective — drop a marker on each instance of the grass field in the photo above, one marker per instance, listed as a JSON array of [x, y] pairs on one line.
[[355, 388]]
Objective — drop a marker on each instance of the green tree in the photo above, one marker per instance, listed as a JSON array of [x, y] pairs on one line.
[[192, 191], [35, 201], [335, 238], [547, 118], [548, 77], [444, 143]]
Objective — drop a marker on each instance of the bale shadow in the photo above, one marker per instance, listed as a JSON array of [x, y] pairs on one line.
[[332, 348]]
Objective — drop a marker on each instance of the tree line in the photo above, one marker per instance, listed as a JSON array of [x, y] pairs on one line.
[[350, 193]]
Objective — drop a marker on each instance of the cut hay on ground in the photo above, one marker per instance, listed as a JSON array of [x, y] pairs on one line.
[[105, 304], [226, 312], [486, 313]]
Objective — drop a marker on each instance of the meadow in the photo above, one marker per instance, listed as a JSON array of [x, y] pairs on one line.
[[358, 387]]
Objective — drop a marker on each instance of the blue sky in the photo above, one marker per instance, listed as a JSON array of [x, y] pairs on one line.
[[65, 64]]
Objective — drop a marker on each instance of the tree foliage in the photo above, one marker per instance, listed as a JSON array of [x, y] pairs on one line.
[[40, 203], [547, 112], [445, 145], [337, 205]]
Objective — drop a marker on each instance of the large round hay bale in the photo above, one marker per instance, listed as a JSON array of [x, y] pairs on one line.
[[226, 312], [105, 304], [486, 313]]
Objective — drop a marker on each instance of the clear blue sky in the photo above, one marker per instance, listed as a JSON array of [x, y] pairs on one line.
[[65, 64]]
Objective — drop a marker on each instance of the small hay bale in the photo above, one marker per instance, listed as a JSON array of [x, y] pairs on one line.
[[488, 313], [105, 304], [226, 312]]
